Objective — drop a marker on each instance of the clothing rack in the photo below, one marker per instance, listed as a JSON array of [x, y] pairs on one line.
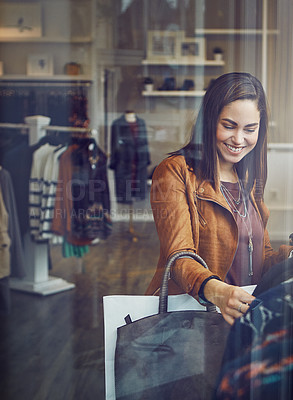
[[37, 279], [70, 129], [13, 126]]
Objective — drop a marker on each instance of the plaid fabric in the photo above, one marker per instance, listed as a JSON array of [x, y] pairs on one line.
[[258, 360]]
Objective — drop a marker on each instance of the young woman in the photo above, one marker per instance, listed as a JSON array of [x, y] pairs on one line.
[[208, 198]]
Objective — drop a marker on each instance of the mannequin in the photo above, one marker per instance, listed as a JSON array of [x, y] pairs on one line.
[[130, 116], [129, 159]]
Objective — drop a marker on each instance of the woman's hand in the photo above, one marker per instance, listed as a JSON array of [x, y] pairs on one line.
[[231, 300]]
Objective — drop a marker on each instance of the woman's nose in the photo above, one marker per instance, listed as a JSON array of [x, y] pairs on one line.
[[238, 136]]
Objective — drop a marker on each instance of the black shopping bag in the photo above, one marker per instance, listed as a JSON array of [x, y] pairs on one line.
[[170, 355]]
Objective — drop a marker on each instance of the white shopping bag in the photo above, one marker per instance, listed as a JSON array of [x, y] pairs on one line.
[[117, 307]]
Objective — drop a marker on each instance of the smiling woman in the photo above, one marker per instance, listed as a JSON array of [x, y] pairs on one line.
[[208, 198]]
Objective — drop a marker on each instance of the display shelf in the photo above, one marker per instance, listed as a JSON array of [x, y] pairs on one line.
[[45, 78], [234, 31], [174, 93], [65, 32], [212, 63], [179, 63], [44, 39]]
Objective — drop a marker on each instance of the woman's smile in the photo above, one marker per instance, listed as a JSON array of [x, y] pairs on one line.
[[234, 149]]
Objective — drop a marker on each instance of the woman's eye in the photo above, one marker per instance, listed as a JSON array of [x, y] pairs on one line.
[[250, 130], [228, 126]]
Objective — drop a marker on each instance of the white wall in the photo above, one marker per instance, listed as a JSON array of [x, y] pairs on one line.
[[279, 190]]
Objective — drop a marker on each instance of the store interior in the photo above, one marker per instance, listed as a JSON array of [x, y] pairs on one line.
[[74, 75]]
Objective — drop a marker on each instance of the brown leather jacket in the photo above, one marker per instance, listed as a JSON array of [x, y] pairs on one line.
[[191, 215]]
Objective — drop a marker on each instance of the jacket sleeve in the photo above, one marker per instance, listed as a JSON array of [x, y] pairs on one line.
[[172, 215], [16, 249]]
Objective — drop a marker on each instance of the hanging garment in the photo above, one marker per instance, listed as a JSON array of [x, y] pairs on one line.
[[17, 267], [71, 250], [17, 160], [82, 207], [37, 187], [4, 241], [90, 189], [43, 184], [61, 224], [129, 159], [5, 298], [49, 193]]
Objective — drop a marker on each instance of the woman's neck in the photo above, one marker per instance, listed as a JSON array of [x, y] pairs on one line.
[[228, 174]]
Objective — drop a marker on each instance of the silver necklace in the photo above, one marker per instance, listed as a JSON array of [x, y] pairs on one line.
[[237, 202], [231, 202]]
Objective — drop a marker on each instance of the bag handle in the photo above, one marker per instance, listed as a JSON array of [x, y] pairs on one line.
[[163, 301]]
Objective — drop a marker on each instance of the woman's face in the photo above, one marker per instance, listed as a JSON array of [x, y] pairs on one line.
[[237, 131]]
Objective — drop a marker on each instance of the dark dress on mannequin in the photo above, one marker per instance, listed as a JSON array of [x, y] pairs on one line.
[[129, 159]]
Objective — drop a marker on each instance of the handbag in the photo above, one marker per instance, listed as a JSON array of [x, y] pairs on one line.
[[170, 355], [116, 307]]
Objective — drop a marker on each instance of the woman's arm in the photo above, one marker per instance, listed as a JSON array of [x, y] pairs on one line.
[[231, 300], [172, 215]]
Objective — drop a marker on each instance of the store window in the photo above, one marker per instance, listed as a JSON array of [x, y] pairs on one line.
[[94, 95]]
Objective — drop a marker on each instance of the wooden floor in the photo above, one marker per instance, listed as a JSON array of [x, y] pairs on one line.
[[52, 347]]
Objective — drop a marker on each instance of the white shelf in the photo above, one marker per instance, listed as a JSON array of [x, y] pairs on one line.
[[235, 31], [174, 93], [212, 63], [50, 78], [44, 39]]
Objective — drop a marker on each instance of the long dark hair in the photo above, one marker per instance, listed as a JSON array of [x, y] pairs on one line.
[[201, 151]]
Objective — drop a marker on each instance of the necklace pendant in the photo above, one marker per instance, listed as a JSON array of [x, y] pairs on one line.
[[250, 251], [250, 245]]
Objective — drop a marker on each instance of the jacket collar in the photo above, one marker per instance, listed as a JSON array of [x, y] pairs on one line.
[[206, 191]]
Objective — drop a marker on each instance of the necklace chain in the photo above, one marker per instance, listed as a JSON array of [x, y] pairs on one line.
[[238, 201], [233, 203], [230, 200]]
